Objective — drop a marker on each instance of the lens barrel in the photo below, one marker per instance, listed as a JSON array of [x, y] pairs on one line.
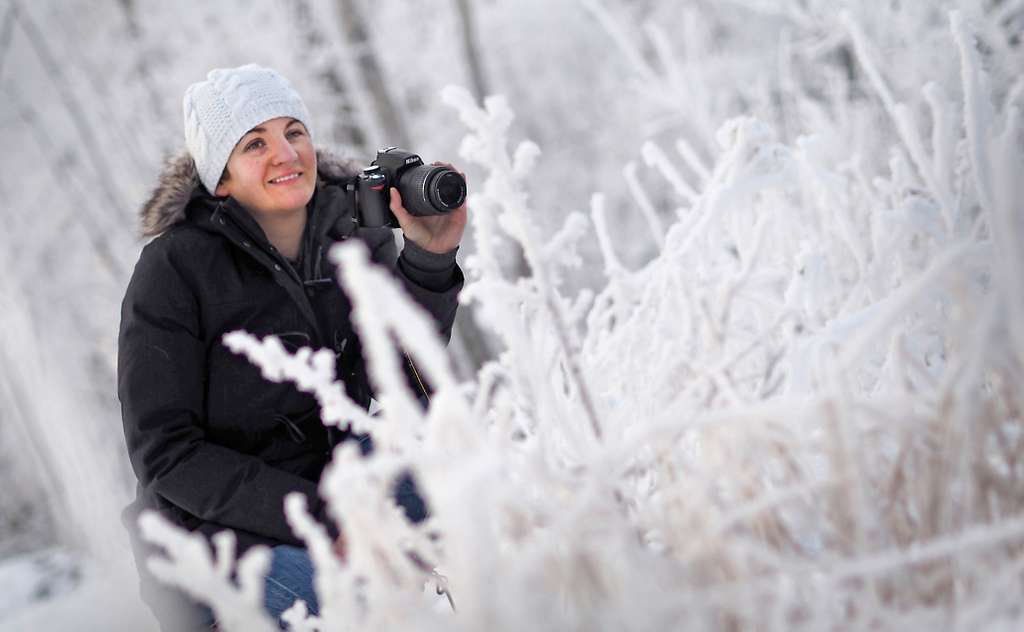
[[431, 190]]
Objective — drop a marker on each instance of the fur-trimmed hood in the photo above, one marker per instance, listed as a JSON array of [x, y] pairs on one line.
[[179, 182]]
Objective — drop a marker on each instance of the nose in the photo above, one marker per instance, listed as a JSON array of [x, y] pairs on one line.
[[283, 152]]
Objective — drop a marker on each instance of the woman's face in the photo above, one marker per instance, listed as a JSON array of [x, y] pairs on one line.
[[272, 169]]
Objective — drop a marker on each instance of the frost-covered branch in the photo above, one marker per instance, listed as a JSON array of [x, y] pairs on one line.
[[799, 411], [234, 591]]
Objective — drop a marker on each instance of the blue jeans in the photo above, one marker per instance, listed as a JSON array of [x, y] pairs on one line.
[[290, 578]]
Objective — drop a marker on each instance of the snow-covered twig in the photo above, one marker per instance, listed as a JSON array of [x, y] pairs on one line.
[[233, 591]]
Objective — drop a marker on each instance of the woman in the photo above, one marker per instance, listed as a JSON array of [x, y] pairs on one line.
[[242, 225]]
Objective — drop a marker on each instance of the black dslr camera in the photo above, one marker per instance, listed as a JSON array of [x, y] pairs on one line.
[[425, 189]]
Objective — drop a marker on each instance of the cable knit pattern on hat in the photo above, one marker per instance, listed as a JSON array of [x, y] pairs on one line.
[[232, 101]]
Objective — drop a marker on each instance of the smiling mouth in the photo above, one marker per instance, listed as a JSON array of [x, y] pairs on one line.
[[291, 177]]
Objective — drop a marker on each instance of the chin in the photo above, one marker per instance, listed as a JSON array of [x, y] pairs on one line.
[[293, 199]]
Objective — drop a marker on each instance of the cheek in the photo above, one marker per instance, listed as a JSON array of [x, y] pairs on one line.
[[309, 158], [311, 167]]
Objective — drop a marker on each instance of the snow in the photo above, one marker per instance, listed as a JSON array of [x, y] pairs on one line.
[[53, 589], [758, 366], [36, 577]]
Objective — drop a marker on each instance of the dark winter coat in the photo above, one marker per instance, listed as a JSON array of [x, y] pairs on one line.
[[213, 444]]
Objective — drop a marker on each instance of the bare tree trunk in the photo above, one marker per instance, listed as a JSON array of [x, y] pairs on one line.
[[471, 344], [131, 18], [6, 34], [347, 130], [364, 59], [516, 266], [89, 211], [143, 72], [101, 226], [464, 9]]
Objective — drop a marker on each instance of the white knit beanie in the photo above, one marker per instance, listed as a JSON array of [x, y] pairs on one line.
[[232, 101]]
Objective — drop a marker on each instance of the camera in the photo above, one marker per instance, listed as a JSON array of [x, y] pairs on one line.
[[425, 189]]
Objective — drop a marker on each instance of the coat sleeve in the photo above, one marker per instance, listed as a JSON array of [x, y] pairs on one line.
[[433, 280], [161, 386]]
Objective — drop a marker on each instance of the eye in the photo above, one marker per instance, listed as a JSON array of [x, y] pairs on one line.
[[255, 144], [296, 132]]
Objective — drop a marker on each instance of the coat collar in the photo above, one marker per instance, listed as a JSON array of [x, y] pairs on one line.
[[179, 197]]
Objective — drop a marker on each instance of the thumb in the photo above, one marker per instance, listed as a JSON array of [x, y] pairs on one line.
[[396, 205], [406, 221]]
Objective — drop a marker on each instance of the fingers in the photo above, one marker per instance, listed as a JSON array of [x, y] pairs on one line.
[[406, 221], [438, 163]]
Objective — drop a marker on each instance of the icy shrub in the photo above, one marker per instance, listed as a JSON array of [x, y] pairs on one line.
[[803, 413]]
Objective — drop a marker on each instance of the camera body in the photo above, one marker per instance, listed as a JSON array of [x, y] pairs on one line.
[[425, 189]]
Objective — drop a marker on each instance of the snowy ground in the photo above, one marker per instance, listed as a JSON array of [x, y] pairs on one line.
[[56, 591]]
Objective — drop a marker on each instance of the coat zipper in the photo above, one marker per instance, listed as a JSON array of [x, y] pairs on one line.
[[416, 374], [302, 283]]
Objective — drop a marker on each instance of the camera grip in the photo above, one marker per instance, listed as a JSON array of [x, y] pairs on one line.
[[373, 199]]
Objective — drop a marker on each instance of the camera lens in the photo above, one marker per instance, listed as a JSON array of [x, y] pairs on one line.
[[448, 190], [431, 190]]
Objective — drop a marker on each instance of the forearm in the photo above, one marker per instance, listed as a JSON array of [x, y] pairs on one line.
[[433, 281], [429, 270], [221, 485]]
